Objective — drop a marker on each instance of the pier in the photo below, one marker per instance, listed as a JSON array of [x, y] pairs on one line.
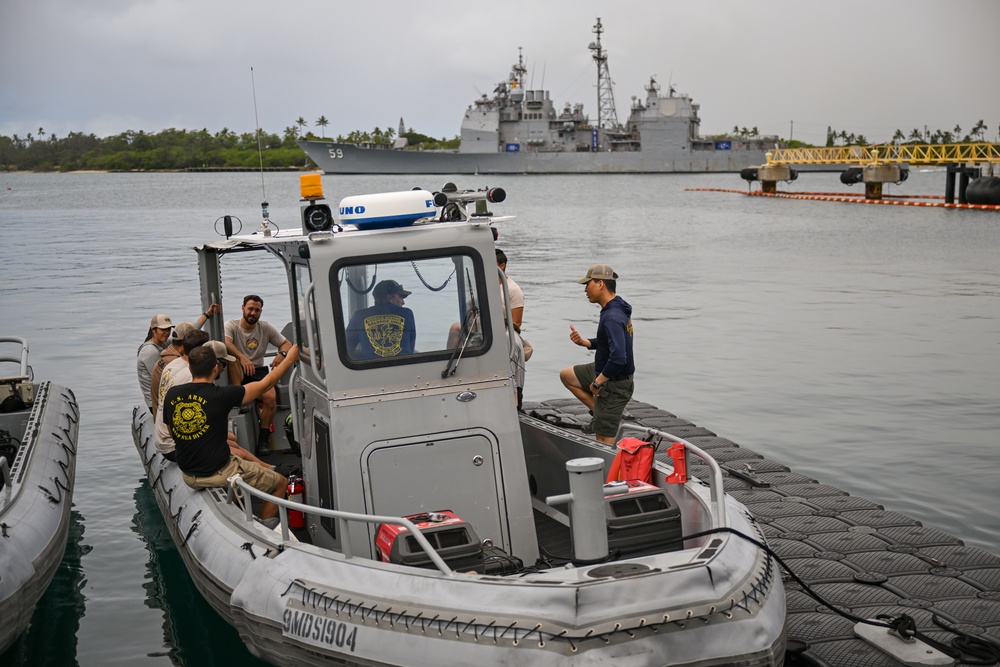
[[876, 165], [855, 554]]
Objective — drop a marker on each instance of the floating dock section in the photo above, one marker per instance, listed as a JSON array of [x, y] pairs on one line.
[[854, 553], [888, 163], [935, 201]]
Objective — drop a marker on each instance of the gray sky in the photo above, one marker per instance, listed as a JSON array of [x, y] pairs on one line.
[[865, 66]]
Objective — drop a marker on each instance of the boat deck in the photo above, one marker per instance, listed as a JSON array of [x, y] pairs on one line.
[[853, 552]]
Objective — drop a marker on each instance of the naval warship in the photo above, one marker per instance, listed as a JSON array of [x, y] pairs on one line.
[[520, 131]]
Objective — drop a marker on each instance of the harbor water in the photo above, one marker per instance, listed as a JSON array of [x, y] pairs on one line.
[[857, 344]]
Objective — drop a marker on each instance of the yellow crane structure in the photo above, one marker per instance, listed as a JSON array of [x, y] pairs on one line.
[[884, 163], [912, 154]]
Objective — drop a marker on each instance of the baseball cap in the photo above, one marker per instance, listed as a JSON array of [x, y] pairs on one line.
[[387, 287], [220, 350], [160, 321], [599, 272], [181, 330]]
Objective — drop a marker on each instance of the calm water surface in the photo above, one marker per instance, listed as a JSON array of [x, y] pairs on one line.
[[857, 344]]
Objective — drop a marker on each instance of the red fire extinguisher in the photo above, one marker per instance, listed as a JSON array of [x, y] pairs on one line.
[[296, 493]]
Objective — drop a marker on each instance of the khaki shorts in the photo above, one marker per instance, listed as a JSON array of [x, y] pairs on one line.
[[609, 406], [254, 474]]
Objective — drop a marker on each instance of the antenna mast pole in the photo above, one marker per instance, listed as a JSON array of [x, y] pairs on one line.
[[265, 224], [606, 114]]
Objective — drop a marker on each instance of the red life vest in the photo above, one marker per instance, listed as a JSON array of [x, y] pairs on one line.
[[634, 460]]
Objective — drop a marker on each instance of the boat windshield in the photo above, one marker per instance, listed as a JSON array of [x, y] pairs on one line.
[[418, 309]]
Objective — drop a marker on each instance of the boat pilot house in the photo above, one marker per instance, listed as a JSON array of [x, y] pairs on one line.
[[430, 522]]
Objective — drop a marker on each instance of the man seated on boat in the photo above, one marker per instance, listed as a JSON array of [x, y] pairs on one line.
[[173, 351], [157, 340], [198, 415], [605, 385], [386, 329], [247, 339], [178, 372]]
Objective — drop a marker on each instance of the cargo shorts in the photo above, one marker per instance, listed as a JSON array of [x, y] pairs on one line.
[[609, 406], [253, 473]]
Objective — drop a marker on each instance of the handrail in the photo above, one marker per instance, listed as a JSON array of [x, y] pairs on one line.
[[720, 517], [293, 403], [316, 362], [23, 360], [343, 518], [508, 315]]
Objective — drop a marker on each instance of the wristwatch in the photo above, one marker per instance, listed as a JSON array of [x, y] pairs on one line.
[[283, 353]]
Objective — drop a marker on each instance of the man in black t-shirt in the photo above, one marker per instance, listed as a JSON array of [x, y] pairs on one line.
[[198, 416]]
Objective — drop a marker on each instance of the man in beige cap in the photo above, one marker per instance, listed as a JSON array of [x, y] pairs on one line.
[[149, 353], [174, 350], [156, 342], [605, 386]]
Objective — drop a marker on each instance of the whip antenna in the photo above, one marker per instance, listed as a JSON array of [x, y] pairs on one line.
[[260, 155]]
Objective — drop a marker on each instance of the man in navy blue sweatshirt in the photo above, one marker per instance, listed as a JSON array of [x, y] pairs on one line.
[[604, 386]]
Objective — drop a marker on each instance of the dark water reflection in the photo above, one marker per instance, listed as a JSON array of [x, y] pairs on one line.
[[50, 639], [193, 634]]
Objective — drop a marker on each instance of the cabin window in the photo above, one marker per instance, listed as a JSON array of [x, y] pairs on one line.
[[419, 308]]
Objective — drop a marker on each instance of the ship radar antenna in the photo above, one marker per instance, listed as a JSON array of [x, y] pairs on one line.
[[606, 114], [519, 70]]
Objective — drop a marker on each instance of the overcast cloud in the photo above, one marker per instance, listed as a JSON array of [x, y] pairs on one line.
[[865, 66]]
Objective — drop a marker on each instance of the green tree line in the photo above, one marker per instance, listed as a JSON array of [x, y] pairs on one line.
[[917, 136], [174, 149]]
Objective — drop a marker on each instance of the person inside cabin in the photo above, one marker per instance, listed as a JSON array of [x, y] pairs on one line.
[[247, 339], [179, 372], [156, 342], [385, 329], [605, 386], [198, 416], [518, 354]]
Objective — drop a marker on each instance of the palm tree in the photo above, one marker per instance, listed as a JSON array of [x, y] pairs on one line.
[[899, 137], [41, 133], [979, 129], [323, 122], [916, 135], [301, 122], [958, 130]]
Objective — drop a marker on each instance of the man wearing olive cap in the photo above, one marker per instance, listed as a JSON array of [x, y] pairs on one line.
[[386, 329], [605, 385]]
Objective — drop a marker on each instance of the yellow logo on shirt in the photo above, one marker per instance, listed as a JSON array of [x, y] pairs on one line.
[[190, 420], [385, 333]]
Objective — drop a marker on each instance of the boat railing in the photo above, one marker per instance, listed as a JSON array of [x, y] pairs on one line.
[[238, 487], [25, 371], [720, 517]]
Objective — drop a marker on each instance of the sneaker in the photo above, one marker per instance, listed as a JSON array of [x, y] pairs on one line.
[[588, 428], [264, 440], [271, 523]]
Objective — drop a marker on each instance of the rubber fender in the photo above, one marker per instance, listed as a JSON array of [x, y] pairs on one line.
[[904, 173], [792, 175], [984, 190], [852, 175], [749, 174]]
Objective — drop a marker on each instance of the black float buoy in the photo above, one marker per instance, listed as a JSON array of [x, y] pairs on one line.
[[985, 190]]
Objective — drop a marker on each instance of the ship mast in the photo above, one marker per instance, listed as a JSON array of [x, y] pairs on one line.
[[607, 116]]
